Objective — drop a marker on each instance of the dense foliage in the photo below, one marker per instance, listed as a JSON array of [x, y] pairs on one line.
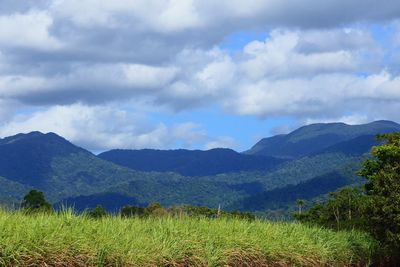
[[343, 209], [72, 175], [190, 162], [35, 201], [316, 137], [383, 193], [374, 208], [155, 209]]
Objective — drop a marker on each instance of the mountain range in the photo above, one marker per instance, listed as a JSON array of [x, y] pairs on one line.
[[306, 163]]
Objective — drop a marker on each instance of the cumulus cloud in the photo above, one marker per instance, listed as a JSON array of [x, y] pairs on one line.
[[92, 84], [27, 30], [176, 15], [76, 58], [100, 128], [308, 53], [7, 110], [320, 97], [221, 142]]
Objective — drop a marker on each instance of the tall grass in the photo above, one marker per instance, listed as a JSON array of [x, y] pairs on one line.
[[68, 240]]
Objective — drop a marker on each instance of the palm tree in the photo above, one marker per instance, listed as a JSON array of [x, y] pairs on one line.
[[300, 204]]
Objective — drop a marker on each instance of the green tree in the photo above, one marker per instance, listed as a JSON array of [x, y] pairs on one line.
[[97, 212], [155, 209], [300, 204], [35, 201], [376, 207], [383, 191], [343, 209], [130, 211]]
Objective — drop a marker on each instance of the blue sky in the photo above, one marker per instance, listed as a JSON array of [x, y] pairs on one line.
[[194, 74]]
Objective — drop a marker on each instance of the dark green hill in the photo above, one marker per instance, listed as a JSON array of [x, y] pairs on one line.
[[284, 197], [11, 192], [65, 172], [27, 158], [190, 162], [356, 146], [317, 137], [311, 176]]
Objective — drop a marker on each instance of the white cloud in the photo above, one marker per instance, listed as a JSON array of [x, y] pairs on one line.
[[319, 62], [221, 142], [91, 84], [287, 54], [350, 119], [159, 16], [100, 128], [292, 73], [7, 110], [29, 30], [177, 15], [322, 96]]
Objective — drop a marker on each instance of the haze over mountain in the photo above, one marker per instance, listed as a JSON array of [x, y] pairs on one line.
[[314, 160]]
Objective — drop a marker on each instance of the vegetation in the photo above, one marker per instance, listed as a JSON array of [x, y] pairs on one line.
[[97, 213], [382, 209], [55, 239], [376, 207], [69, 174], [313, 138], [342, 210], [155, 209], [35, 201], [364, 221], [190, 162]]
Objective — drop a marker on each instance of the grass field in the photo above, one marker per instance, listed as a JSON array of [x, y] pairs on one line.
[[69, 240]]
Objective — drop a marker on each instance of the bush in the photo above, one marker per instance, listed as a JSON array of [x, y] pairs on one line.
[[131, 211], [98, 212], [35, 201]]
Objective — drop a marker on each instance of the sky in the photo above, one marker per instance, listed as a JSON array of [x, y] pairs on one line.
[[194, 74]]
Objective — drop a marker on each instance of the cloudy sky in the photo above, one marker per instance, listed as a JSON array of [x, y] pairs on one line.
[[194, 73]]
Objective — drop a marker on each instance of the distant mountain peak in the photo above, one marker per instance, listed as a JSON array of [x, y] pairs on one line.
[[315, 137]]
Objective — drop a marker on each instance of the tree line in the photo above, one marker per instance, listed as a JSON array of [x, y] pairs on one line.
[[35, 202], [373, 207]]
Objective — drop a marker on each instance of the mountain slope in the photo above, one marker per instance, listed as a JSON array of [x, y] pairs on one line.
[[27, 158], [11, 192], [283, 198], [311, 176], [316, 137], [67, 173], [190, 162], [64, 171]]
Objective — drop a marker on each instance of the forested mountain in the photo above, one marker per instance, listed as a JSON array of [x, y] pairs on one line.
[[66, 173], [314, 160], [316, 137], [190, 162]]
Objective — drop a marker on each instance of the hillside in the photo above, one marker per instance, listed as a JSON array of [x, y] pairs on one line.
[[70, 174], [317, 173], [317, 137], [190, 162]]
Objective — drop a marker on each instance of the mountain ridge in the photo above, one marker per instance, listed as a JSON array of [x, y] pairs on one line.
[[66, 172], [190, 162], [316, 137]]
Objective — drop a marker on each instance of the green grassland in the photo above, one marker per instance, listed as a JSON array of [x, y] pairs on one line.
[[66, 239]]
